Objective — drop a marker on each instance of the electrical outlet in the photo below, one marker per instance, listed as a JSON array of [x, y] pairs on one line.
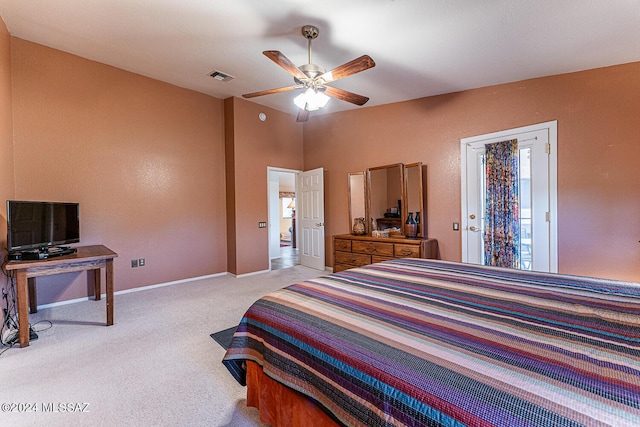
[[134, 263], [141, 262]]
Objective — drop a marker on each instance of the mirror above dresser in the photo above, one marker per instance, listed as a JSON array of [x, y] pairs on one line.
[[385, 201], [415, 199], [385, 196], [358, 202], [389, 195]]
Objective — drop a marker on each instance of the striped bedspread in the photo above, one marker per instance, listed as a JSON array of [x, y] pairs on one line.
[[431, 343]]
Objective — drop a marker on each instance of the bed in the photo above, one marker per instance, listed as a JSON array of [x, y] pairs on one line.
[[432, 343]]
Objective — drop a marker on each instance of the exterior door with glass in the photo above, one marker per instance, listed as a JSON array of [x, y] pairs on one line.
[[537, 195]]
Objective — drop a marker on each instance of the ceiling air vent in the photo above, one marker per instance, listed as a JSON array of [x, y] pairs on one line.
[[219, 75]]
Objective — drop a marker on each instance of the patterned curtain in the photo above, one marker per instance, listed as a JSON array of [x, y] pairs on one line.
[[502, 216]]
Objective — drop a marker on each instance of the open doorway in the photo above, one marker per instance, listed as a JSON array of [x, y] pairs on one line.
[[283, 236]]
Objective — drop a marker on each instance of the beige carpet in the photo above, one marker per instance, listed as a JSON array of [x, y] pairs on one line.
[[157, 365]]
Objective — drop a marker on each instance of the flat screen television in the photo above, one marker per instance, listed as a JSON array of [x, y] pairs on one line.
[[38, 225]]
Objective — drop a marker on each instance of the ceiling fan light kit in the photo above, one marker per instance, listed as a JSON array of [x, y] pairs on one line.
[[311, 100], [314, 79]]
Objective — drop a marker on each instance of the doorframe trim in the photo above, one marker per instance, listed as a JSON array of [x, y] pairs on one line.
[[552, 129], [270, 169]]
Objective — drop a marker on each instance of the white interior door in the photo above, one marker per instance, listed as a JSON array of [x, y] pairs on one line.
[[310, 218], [538, 217]]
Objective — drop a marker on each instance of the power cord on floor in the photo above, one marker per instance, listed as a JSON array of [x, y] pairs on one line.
[[47, 322], [9, 332], [13, 337], [9, 329]]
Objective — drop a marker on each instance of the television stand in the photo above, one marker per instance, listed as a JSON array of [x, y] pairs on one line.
[[86, 258]]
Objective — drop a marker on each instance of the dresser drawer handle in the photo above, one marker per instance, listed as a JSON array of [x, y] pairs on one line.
[[352, 259], [406, 251], [371, 247]]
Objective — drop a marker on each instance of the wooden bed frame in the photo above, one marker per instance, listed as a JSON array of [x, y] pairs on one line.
[[281, 406]]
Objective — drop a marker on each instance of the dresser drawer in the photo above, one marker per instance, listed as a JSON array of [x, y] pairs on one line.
[[342, 245], [352, 259], [374, 248], [406, 251]]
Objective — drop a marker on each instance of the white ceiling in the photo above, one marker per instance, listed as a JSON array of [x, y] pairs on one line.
[[421, 47]]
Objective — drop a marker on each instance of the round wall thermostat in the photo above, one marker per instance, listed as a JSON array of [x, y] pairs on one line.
[[262, 117]]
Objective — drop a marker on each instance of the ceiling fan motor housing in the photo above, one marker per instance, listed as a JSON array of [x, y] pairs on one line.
[[310, 70]]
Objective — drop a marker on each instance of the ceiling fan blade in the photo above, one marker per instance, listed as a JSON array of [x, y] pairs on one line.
[[351, 97], [345, 70], [279, 58], [303, 116], [270, 91]]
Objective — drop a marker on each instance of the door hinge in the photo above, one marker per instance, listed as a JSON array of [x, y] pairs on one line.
[[547, 216], [547, 148]]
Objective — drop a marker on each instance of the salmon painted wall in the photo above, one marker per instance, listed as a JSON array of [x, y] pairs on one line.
[[598, 152], [7, 186], [144, 159], [276, 142]]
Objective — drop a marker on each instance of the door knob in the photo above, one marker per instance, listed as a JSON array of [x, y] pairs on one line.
[[474, 229], [319, 224]]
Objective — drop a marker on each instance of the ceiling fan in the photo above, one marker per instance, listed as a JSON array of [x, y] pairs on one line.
[[314, 79]]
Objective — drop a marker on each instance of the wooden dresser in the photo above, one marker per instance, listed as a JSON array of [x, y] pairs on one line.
[[354, 251]]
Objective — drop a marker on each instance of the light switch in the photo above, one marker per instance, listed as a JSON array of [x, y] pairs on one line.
[[456, 226], [262, 225]]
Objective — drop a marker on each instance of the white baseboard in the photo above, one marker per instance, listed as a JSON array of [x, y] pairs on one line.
[[127, 291], [160, 285], [253, 273]]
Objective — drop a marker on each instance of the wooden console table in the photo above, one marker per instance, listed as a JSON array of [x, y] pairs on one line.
[[87, 258]]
